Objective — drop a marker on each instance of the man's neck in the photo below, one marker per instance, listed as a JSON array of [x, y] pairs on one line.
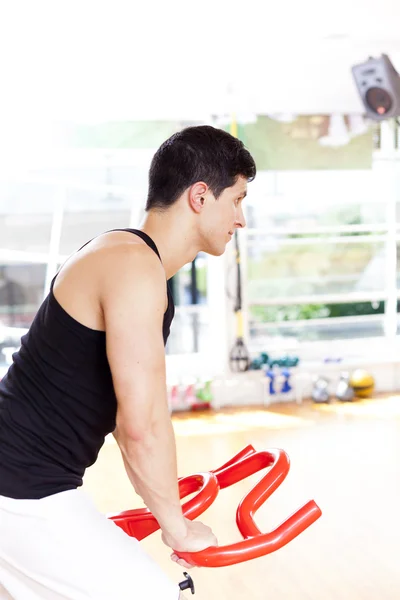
[[174, 241]]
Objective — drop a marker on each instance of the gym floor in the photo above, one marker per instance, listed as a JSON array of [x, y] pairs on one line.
[[344, 456]]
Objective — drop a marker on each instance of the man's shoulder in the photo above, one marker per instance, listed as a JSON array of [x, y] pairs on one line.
[[112, 260], [123, 264], [121, 249]]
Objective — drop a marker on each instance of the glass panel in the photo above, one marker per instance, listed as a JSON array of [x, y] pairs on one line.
[[315, 322], [79, 228], [262, 337], [312, 199], [276, 269], [21, 293], [88, 214], [398, 317], [19, 198], [28, 233], [398, 265], [26, 213], [189, 287], [189, 332], [303, 312], [284, 214], [103, 169]]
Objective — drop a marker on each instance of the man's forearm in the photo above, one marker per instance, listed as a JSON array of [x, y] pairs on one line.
[[150, 462]]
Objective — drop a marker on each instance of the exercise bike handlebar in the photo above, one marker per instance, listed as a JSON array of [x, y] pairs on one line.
[[255, 543], [140, 523]]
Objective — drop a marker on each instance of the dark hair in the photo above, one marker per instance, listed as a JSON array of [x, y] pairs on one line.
[[201, 153]]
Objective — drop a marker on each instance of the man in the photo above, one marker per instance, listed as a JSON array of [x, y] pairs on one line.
[[92, 363]]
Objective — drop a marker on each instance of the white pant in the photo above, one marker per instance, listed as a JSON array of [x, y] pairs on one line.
[[61, 547]]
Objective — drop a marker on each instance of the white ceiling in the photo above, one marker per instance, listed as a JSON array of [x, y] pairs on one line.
[[107, 59]]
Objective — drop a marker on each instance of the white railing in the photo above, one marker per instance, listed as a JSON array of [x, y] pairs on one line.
[[342, 298], [324, 322]]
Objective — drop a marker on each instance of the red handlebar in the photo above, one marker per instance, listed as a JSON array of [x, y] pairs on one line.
[[140, 523]]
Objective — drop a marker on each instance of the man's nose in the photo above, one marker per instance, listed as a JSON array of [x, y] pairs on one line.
[[240, 220]]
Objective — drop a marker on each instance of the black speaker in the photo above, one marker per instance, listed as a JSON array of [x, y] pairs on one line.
[[378, 84]]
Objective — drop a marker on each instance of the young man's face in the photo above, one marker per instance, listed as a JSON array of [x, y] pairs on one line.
[[222, 217]]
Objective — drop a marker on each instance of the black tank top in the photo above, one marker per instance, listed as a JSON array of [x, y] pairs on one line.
[[57, 401]]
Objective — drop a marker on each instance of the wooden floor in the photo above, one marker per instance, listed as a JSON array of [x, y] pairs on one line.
[[344, 456]]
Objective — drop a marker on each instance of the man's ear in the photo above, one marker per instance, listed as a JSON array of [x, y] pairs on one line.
[[197, 195]]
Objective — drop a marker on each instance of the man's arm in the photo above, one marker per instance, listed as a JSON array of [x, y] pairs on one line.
[[133, 299]]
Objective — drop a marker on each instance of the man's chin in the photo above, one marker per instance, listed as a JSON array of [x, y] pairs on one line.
[[221, 252], [215, 251]]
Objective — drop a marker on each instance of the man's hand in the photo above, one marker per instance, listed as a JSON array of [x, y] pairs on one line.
[[198, 537]]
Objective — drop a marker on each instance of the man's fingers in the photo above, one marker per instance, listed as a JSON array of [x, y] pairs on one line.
[[181, 562]]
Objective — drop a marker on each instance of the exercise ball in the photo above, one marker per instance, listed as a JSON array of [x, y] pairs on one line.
[[362, 382]]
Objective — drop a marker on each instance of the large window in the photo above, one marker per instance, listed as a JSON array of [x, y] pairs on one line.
[[320, 263], [288, 267]]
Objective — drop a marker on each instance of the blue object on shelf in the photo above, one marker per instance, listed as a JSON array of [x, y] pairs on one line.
[[286, 384]]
